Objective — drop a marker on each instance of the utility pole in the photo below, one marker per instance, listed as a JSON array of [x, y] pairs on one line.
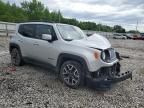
[[137, 26], [6, 29]]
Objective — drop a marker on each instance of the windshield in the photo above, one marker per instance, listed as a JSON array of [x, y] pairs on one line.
[[69, 32]]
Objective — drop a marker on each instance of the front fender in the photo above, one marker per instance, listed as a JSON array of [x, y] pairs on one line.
[[65, 56]]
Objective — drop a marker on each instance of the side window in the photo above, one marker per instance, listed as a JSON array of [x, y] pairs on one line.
[[45, 29], [27, 30]]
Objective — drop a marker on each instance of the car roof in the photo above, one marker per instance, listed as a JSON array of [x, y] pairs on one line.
[[35, 23], [46, 23]]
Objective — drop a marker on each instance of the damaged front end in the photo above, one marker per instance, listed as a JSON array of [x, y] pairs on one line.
[[107, 76], [109, 71]]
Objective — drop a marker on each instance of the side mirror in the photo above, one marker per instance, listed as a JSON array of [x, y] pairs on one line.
[[47, 37]]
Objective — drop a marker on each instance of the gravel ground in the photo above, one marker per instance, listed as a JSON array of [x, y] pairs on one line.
[[31, 86], [3, 43]]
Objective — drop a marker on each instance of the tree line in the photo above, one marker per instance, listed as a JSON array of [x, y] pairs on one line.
[[36, 11]]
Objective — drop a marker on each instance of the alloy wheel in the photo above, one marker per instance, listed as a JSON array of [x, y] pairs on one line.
[[70, 74]]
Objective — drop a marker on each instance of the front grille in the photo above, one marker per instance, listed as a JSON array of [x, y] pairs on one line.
[[106, 72]]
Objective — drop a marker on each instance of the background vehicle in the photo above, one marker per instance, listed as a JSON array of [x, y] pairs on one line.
[[76, 57], [119, 36], [129, 36], [139, 36], [142, 36]]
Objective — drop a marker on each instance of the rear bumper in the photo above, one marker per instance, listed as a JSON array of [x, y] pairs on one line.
[[98, 82]]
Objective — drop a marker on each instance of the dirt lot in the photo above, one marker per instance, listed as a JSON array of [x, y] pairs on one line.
[[32, 86], [3, 43]]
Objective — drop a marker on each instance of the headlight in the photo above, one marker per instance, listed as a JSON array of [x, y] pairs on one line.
[[108, 55], [103, 55]]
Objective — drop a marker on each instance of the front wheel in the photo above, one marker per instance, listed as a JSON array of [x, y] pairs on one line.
[[16, 57], [71, 74]]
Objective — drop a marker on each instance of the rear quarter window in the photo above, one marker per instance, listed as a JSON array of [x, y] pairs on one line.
[[27, 30]]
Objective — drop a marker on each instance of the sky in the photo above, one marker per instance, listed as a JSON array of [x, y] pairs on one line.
[[109, 12]]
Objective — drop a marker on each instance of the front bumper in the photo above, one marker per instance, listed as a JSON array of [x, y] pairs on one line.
[[107, 77], [108, 80]]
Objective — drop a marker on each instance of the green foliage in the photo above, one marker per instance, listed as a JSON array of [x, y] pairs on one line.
[[35, 11], [11, 13], [133, 31], [88, 25], [118, 29], [70, 21]]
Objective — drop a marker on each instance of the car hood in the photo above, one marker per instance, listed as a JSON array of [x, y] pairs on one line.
[[94, 41]]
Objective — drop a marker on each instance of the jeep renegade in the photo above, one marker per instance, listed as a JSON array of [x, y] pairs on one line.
[[78, 59]]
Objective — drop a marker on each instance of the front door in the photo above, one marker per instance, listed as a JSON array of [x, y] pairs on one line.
[[46, 51]]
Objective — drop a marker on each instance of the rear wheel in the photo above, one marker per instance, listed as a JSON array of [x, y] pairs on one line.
[[71, 74], [16, 57]]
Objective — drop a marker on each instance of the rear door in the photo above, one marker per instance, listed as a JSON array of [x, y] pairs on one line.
[[27, 39]]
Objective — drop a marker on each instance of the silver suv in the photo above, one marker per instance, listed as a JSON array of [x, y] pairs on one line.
[[78, 59]]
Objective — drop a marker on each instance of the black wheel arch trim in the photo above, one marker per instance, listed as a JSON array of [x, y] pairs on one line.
[[11, 45], [65, 56]]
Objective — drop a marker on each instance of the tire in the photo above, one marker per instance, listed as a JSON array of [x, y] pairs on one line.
[[16, 57], [71, 74]]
